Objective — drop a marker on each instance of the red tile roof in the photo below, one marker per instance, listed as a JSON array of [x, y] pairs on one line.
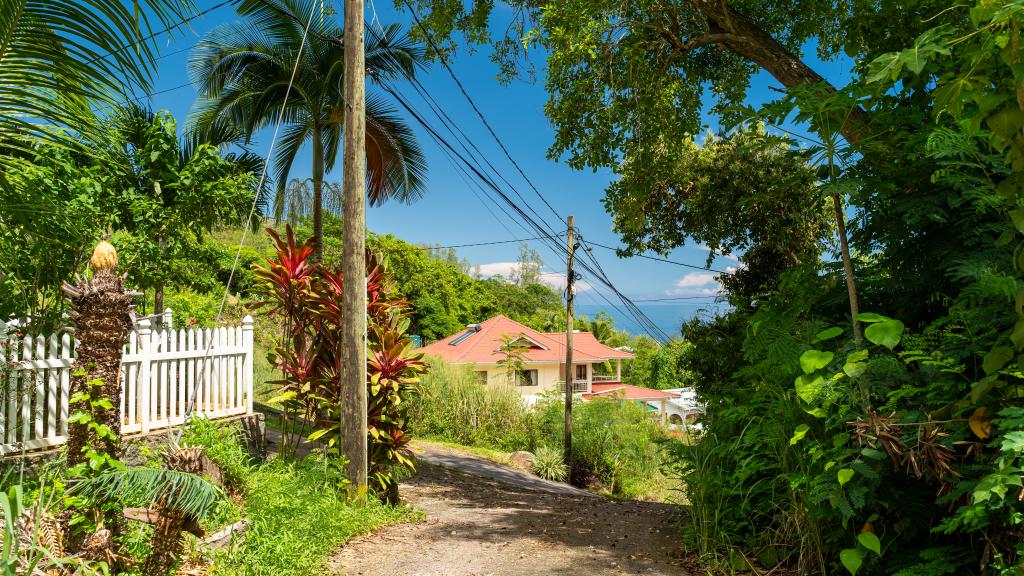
[[482, 347], [627, 392]]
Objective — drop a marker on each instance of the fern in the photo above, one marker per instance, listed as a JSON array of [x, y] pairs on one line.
[[187, 493]]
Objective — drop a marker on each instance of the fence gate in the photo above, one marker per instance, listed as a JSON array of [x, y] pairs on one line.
[[162, 372]]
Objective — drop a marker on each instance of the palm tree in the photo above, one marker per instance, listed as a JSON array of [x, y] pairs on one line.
[[295, 201], [243, 71]]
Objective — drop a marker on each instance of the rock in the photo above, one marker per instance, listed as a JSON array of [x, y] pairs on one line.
[[522, 460]]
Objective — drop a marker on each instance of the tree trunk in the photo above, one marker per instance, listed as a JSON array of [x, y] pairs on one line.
[[101, 310], [730, 29], [158, 292], [353, 345], [851, 282], [318, 193]]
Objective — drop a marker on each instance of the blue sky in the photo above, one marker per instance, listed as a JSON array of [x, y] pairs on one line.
[[450, 213]]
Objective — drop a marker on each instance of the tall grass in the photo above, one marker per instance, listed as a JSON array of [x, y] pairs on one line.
[[453, 406], [620, 442]]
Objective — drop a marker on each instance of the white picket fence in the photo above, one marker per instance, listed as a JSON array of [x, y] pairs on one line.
[[162, 372]]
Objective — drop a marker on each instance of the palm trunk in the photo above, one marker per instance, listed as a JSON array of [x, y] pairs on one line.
[[851, 283], [318, 190]]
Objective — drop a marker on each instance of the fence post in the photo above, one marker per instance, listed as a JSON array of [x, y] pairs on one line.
[[143, 387], [167, 319], [247, 345]]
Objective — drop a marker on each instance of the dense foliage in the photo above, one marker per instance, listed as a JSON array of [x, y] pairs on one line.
[[895, 452], [306, 297], [154, 196]]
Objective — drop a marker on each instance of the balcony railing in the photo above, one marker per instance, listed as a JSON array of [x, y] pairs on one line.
[[602, 378], [577, 386]]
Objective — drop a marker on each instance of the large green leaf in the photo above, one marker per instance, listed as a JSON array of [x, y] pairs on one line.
[[808, 387], [799, 433], [851, 558], [870, 541], [885, 333], [996, 359], [828, 334], [813, 360]]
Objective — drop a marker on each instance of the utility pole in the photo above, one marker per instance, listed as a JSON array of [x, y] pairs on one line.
[[570, 372], [353, 267]]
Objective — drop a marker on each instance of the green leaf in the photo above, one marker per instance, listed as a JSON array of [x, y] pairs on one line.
[[856, 369], [844, 475], [827, 334], [885, 333], [813, 360], [1017, 217], [870, 541], [872, 453], [283, 397], [817, 412], [318, 434], [871, 317], [1013, 441], [851, 558], [996, 359], [886, 68], [799, 434], [808, 387]]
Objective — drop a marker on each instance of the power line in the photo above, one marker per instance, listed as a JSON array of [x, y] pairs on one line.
[[444, 61], [665, 260], [488, 243], [674, 299]]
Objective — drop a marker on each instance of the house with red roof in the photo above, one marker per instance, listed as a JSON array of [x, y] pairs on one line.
[[483, 347]]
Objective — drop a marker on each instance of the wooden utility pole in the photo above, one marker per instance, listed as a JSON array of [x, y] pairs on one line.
[[353, 344], [570, 372]]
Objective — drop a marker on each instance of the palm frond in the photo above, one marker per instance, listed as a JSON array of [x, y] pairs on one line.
[[189, 494]]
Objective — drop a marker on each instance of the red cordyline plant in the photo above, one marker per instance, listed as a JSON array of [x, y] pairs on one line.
[[307, 297]]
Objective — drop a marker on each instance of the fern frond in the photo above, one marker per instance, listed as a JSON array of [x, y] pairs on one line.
[[187, 493]]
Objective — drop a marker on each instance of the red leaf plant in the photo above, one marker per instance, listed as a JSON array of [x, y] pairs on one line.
[[307, 298]]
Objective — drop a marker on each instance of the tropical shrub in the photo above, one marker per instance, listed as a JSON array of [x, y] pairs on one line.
[[306, 296], [549, 463], [620, 442]]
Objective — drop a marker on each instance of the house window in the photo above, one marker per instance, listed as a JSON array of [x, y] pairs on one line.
[[581, 371], [481, 376], [528, 378]]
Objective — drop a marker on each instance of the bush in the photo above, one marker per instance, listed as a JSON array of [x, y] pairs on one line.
[[618, 441], [452, 405], [189, 307], [548, 464], [224, 445]]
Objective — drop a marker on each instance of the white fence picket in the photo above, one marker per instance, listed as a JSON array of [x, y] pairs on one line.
[[163, 372]]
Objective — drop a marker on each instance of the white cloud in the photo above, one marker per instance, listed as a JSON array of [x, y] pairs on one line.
[[555, 280], [695, 284]]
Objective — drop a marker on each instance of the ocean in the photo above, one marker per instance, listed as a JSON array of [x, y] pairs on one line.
[[668, 316]]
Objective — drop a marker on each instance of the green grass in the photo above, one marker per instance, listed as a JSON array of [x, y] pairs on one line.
[[299, 515], [298, 521]]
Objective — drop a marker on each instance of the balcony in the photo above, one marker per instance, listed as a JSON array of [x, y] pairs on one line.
[[577, 386], [604, 378]]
